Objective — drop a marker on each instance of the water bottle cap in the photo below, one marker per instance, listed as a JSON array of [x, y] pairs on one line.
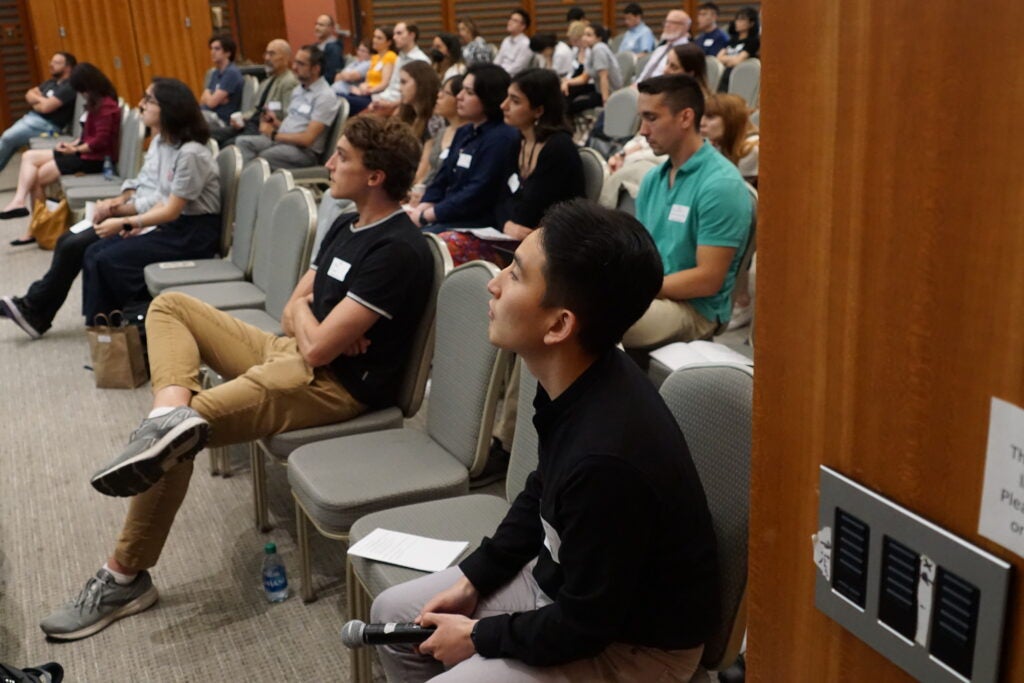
[[270, 548]]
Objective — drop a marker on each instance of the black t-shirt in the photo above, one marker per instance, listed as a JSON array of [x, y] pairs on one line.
[[387, 267], [62, 90], [751, 45]]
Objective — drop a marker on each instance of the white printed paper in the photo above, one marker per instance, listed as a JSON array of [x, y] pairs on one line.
[[1002, 497], [408, 550], [487, 234], [85, 223], [682, 354]]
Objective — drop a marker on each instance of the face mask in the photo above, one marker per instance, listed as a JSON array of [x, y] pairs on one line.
[[436, 56]]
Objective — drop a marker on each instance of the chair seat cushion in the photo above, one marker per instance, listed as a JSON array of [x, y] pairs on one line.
[[226, 296], [466, 518], [311, 173], [90, 180], [257, 317], [281, 445], [202, 270], [78, 196], [48, 143], [339, 480]]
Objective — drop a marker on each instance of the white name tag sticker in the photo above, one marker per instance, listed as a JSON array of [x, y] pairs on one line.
[[464, 160], [708, 42], [679, 213], [513, 183], [49, 93], [274, 106], [444, 154], [339, 269], [305, 109]]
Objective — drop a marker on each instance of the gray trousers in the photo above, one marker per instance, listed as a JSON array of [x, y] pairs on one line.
[[278, 155], [618, 663]]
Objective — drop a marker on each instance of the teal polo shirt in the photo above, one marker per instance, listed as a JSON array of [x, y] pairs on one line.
[[708, 205]]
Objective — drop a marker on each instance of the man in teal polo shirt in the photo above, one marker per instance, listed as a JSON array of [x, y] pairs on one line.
[[698, 210]]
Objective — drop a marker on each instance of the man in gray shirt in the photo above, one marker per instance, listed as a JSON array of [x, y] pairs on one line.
[[298, 140]]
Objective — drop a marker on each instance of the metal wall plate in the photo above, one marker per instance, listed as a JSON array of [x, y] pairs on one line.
[[959, 637]]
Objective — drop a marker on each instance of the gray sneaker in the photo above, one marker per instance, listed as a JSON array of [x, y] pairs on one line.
[[100, 603], [156, 446]]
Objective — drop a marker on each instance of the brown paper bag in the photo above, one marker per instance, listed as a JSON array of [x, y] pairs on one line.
[[47, 226], [117, 359]]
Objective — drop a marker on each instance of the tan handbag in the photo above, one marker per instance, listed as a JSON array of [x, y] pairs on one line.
[[47, 226], [117, 356]]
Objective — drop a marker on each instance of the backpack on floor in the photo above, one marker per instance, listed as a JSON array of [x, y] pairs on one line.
[[50, 672]]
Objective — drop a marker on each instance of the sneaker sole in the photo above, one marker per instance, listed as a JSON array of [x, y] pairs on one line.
[[14, 314], [139, 604], [134, 476]]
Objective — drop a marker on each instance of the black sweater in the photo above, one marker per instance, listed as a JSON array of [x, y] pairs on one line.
[[630, 552], [557, 177]]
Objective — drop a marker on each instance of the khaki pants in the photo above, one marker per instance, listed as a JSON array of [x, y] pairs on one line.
[[667, 321], [618, 663], [274, 390]]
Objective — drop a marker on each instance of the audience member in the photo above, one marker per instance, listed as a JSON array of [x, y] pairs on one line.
[[726, 125], [574, 36], [555, 55], [355, 73], [576, 13], [99, 139], [552, 594], [273, 95], [675, 31], [222, 96], [382, 66], [435, 150], [52, 106], [480, 158], [386, 102], [698, 210], [549, 169], [514, 54], [171, 211], [298, 139], [419, 87], [639, 38], [475, 49], [744, 43], [446, 55], [601, 75], [711, 38], [330, 43], [347, 325]]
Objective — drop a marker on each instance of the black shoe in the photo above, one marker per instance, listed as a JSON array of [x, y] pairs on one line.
[[22, 242], [14, 309], [496, 467], [13, 213]]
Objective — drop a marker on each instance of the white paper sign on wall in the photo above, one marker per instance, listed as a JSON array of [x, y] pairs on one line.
[[1002, 498]]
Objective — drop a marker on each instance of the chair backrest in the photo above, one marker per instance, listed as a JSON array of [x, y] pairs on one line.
[[277, 186], [247, 198], [627, 64], [745, 81], [615, 41], [417, 365], [467, 368], [129, 151], [229, 167], [641, 63], [294, 218], [715, 70], [336, 128], [213, 146], [627, 202], [523, 458], [621, 119], [595, 171], [713, 406], [76, 116], [250, 84]]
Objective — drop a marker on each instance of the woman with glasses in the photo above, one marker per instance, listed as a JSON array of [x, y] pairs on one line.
[[170, 211]]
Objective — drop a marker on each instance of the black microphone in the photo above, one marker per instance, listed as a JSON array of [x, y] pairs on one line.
[[357, 634]]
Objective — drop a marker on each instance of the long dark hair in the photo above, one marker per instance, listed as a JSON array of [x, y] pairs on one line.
[[490, 83], [91, 82], [543, 89], [750, 14], [694, 63], [418, 113], [454, 56], [181, 120]]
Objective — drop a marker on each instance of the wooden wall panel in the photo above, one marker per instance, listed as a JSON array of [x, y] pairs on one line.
[[259, 22], [171, 39], [101, 32], [46, 37], [890, 297]]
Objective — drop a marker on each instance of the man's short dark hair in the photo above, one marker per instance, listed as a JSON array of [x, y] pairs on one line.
[[524, 15], [602, 265], [680, 91], [414, 30], [227, 43], [543, 41], [710, 6], [634, 9], [316, 55], [387, 145], [490, 83], [69, 59], [575, 13]]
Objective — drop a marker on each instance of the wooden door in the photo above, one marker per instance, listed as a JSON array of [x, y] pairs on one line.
[[890, 297], [259, 22], [47, 34], [171, 40], [17, 66], [101, 32]]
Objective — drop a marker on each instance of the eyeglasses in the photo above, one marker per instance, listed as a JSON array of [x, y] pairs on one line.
[[148, 99]]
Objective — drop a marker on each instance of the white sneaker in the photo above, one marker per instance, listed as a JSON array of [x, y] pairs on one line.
[[741, 316]]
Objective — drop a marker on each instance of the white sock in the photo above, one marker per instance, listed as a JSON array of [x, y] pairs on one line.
[[121, 579], [159, 412]]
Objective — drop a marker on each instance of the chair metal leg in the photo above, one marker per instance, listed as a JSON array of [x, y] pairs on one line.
[[359, 608], [259, 487], [225, 462], [305, 566], [214, 461]]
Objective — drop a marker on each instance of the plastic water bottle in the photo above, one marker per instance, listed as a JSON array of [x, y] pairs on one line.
[[108, 168], [275, 580]]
